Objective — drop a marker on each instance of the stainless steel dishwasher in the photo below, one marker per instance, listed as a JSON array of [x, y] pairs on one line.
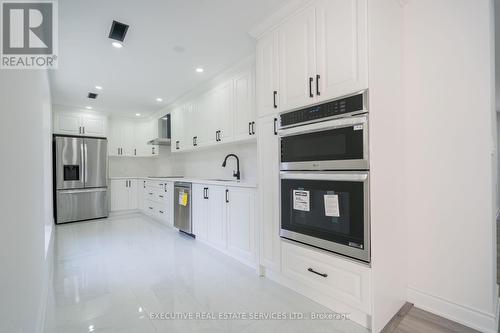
[[182, 207]]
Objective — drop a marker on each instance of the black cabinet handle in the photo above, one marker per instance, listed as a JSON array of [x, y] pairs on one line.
[[250, 128], [176, 144], [317, 85], [161, 196], [150, 208], [135, 152], [227, 196], [161, 211], [144, 184], [253, 127], [274, 99], [153, 150], [275, 126], [310, 87], [317, 273]]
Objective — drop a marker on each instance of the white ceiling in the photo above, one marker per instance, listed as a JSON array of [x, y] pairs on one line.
[[166, 41]]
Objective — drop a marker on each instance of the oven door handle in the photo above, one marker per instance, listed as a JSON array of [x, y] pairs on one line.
[[324, 126], [360, 176]]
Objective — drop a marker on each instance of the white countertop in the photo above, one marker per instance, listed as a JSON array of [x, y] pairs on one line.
[[220, 182]]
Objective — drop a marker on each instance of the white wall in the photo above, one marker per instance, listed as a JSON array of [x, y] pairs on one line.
[[450, 182], [24, 198], [388, 227], [204, 163]]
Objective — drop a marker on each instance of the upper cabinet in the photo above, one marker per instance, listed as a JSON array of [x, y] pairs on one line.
[[267, 72], [129, 137], [318, 54], [224, 113], [79, 123]]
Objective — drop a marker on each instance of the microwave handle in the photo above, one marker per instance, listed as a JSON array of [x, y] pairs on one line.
[[324, 126]]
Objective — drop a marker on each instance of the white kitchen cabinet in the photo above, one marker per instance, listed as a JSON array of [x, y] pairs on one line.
[[297, 60], [177, 127], [129, 137], [222, 115], [123, 194], [267, 72], [216, 234], [270, 243], [244, 106], [321, 54], [240, 219], [144, 132], [200, 211], [342, 56], [84, 124], [224, 217]]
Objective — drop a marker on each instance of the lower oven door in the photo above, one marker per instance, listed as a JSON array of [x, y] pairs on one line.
[[328, 210]]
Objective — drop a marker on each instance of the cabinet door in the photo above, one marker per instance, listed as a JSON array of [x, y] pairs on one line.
[[132, 194], [342, 47], [217, 216], [209, 109], [114, 137], [176, 127], [141, 196], [127, 137], [119, 194], [270, 243], [190, 125], [297, 60], [142, 134], [223, 112], [267, 75], [67, 123], [200, 212], [240, 217], [243, 107], [94, 125]]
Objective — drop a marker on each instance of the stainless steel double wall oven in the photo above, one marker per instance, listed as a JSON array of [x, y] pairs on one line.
[[325, 176]]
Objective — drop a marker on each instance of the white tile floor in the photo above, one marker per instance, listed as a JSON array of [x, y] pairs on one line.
[[110, 275]]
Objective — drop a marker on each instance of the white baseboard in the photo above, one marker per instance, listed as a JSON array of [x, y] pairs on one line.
[[468, 316]]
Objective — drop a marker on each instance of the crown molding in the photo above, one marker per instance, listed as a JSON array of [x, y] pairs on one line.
[[277, 17]]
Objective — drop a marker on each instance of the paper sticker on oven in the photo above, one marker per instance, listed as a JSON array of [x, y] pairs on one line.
[[332, 205], [301, 200], [358, 127]]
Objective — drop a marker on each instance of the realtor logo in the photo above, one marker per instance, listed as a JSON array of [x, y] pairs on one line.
[[29, 34]]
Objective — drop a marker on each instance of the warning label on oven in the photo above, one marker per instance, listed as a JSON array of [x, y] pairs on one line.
[[301, 200], [332, 205]]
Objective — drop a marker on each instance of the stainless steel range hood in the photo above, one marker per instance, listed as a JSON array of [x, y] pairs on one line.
[[163, 132]]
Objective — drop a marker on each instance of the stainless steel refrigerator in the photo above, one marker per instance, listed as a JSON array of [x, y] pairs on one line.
[[81, 178]]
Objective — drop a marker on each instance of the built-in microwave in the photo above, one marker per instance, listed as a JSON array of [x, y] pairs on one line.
[[331, 136], [328, 210]]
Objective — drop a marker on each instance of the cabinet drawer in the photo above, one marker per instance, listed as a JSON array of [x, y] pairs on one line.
[[335, 277]]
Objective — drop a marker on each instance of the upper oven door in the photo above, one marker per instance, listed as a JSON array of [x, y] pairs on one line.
[[340, 144]]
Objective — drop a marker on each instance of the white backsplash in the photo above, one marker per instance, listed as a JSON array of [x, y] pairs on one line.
[[204, 163]]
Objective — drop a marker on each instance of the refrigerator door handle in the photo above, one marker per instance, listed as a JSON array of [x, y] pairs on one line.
[[82, 163], [85, 164]]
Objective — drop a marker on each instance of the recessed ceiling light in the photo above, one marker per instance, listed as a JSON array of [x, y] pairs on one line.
[[158, 99], [98, 87], [117, 45], [199, 70], [88, 107], [137, 114]]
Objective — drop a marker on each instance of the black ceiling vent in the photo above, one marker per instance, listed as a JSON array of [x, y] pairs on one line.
[[92, 95], [118, 31]]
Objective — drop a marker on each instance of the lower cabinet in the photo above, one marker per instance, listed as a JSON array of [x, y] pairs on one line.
[[224, 217], [123, 194], [152, 197]]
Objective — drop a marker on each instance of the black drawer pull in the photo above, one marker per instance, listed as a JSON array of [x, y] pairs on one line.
[[317, 273], [161, 196], [161, 211], [150, 207]]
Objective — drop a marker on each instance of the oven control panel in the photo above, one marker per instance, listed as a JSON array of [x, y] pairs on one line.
[[335, 108]]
